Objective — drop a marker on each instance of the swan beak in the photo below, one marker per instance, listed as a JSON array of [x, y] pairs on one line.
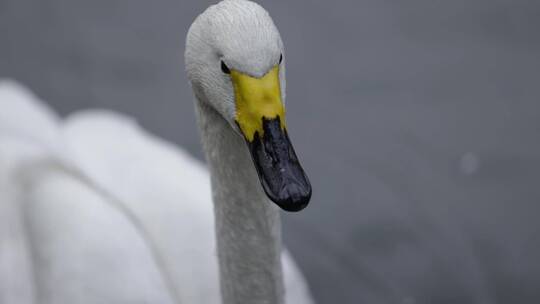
[[260, 115]]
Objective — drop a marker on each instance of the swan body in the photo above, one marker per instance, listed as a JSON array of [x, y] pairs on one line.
[[96, 210]]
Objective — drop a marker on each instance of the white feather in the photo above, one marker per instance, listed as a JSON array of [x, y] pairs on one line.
[[119, 216], [99, 211]]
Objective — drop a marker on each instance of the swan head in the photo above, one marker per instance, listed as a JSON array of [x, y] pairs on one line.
[[235, 62]]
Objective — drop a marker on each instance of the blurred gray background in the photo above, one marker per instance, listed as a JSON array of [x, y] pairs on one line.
[[417, 121]]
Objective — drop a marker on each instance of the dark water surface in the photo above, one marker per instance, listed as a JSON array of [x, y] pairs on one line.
[[417, 121]]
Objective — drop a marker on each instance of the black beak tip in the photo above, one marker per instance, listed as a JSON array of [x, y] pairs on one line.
[[281, 176], [293, 197]]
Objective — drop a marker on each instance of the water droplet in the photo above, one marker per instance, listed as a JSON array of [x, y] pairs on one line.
[[469, 163]]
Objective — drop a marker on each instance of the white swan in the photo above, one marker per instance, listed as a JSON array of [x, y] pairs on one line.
[[95, 210]]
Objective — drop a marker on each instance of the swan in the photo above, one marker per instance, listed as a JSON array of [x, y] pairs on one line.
[[97, 210]]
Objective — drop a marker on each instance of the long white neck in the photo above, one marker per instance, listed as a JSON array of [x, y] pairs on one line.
[[248, 227]]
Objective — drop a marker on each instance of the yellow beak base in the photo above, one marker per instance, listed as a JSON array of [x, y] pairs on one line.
[[257, 98]]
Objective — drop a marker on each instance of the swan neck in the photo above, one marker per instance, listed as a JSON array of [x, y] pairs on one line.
[[248, 229]]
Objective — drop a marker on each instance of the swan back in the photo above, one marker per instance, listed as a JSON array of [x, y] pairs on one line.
[[25, 118], [97, 197]]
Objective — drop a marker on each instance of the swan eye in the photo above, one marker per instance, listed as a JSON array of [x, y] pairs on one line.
[[224, 68], [280, 58]]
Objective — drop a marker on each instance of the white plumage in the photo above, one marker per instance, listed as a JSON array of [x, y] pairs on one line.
[[94, 209]]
